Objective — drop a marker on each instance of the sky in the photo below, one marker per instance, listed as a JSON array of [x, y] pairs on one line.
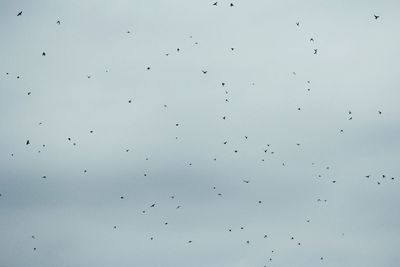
[[182, 133]]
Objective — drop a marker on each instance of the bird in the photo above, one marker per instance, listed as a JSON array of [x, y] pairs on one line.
[[311, 39], [19, 14], [27, 142], [246, 181], [376, 16], [43, 54], [204, 71], [298, 23], [315, 51], [216, 3], [58, 22], [231, 4], [153, 205]]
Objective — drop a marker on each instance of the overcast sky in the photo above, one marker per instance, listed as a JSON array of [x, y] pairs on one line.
[[314, 133]]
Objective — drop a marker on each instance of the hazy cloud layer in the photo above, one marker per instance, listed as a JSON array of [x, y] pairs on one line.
[[73, 210]]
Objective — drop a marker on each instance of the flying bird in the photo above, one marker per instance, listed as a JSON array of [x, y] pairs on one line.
[[19, 14]]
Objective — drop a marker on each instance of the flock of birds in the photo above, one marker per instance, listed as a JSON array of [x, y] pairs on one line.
[[267, 151]]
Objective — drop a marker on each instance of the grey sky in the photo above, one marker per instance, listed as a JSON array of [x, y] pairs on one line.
[[72, 213]]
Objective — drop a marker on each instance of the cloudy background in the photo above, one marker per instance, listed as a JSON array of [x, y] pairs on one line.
[[72, 213]]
